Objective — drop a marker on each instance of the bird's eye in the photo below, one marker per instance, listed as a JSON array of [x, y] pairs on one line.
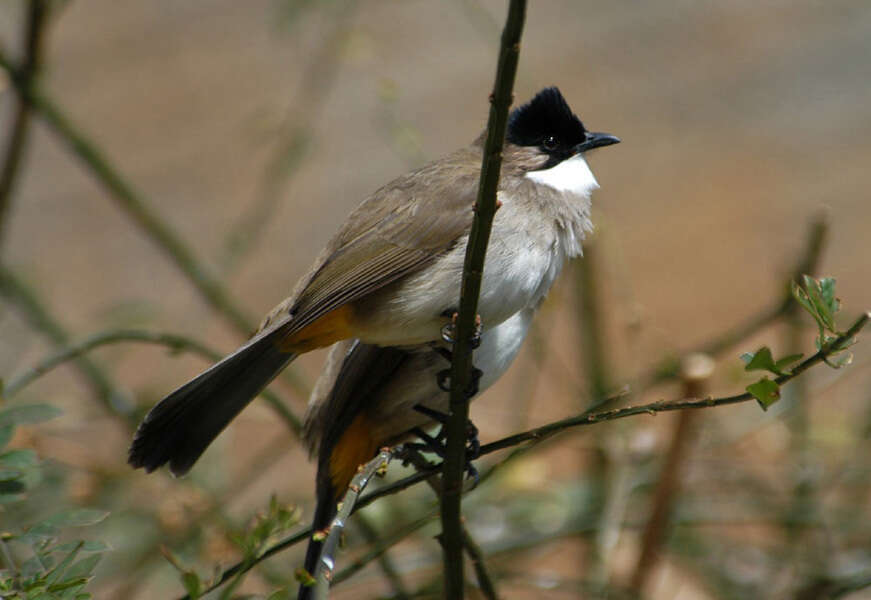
[[550, 143]]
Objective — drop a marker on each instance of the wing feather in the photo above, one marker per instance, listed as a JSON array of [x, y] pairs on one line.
[[397, 231]]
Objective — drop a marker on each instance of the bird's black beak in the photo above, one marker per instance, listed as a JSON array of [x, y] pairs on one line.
[[596, 140]]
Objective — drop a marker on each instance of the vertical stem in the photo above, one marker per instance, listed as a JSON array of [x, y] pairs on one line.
[[461, 364], [590, 324], [17, 144], [695, 372], [109, 394]]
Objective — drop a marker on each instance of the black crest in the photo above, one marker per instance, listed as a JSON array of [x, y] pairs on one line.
[[546, 121]]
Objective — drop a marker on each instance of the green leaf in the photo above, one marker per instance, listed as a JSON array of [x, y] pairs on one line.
[[77, 517], [84, 568], [822, 311], [765, 391], [11, 486], [827, 292], [762, 360], [787, 360], [27, 414], [6, 432], [18, 459], [55, 574], [67, 586], [801, 297], [192, 584], [87, 546]]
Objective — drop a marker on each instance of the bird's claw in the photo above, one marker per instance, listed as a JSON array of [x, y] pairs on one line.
[[443, 379], [436, 444], [449, 330]]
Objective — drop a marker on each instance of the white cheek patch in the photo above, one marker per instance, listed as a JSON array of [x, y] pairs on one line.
[[572, 176]]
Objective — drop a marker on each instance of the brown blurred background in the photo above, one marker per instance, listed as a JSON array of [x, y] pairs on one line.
[[741, 122]]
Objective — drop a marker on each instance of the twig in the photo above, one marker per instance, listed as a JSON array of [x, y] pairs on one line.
[[380, 546], [173, 342], [697, 370], [540, 434], [384, 545], [108, 393], [326, 562], [669, 368], [461, 362], [295, 137], [476, 555], [135, 206], [471, 546], [590, 324], [18, 138]]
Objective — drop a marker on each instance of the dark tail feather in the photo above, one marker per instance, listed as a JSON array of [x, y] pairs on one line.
[[182, 425], [325, 512]]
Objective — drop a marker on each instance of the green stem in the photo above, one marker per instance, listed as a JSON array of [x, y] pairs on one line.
[[173, 342], [461, 363], [107, 392]]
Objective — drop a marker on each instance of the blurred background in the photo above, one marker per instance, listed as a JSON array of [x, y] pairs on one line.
[[251, 129]]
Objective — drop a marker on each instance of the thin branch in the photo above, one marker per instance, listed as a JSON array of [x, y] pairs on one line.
[[697, 370], [540, 433], [461, 362], [107, 391], [326, 562], [136, 207], [545, 432], [18, 138], [476, 555], [175, 343], [669, 368], [295, 136], [590, 324], [380, 547], [488, 589], [383, 545]]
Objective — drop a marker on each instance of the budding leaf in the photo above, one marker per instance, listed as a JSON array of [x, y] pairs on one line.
[[762, 360], [192, 584], [304, 577], [765, 391]]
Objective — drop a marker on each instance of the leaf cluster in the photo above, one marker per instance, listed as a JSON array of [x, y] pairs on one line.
[[252, 542], [51, 568], [817, 297]]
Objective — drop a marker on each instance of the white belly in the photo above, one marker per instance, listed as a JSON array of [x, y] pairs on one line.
[[416, 382]]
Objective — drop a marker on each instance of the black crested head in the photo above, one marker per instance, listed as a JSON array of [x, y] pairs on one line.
[[547, 122], [546, 116]]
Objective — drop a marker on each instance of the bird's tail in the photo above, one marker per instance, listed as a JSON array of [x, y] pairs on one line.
[[182, 425], [337, 464]]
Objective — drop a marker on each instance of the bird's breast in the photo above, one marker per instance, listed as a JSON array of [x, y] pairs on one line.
[[523, 259]]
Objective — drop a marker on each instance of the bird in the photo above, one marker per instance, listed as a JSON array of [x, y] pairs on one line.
[[381, 294]]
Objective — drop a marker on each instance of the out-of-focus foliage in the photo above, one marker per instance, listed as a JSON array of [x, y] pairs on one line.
[[40, 560]]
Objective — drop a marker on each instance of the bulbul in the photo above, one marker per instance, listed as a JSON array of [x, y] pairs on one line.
[[383, 289]]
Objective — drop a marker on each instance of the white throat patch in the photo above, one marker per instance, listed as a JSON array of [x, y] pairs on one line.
[[572, 175]]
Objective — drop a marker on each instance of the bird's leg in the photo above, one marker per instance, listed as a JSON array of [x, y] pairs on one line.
[[443, 378], [437, 444]]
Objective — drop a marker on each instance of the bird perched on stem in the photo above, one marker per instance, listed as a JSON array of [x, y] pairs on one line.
[[382, 292]]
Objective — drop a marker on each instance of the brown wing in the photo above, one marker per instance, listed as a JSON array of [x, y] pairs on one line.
[[395, 232]]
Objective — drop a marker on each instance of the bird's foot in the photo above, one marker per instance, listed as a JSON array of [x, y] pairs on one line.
[[443, 378], [449, 330], [437, 445]]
